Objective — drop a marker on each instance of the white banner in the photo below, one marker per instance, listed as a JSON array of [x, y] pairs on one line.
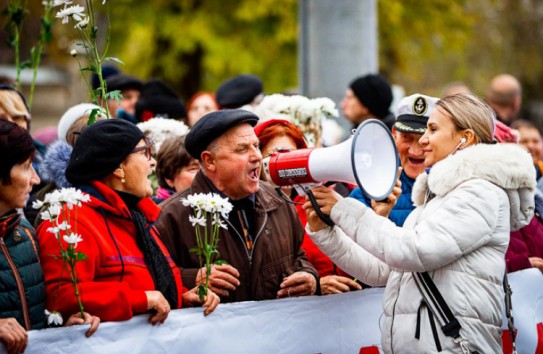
[[328, 324]]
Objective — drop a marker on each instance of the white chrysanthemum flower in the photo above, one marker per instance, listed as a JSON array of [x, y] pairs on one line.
[[197, 221], [37, 204], [76, 12], [52, 198], [82, 24], [54, 317], [54, 210], [58, 3], [64, 226], [53, 230], [73, 239], [218, 221], [160, 129]]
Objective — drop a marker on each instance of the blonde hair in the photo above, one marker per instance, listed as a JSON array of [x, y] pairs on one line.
[[12, 104], [469, 112]]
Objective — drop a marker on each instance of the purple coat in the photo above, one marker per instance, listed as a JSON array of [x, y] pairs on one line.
[[526, 242]]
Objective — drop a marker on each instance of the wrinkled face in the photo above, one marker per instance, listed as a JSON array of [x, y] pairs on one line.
[[14, 195], [531, 139], [128, 102], [200, 107], [137, 168], [410, 151], [352, 108], [184, 177], [237, 162], [440, 139]]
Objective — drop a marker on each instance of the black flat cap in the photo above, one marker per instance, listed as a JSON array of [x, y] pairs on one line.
[[238, 91], [212, 126], [159, 100], [100, 149], [374, 92]]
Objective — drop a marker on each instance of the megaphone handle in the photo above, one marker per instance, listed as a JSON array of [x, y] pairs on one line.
[[318, 210]]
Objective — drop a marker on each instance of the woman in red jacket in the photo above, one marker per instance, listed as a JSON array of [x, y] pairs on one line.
[[277, 134], [128, 271]]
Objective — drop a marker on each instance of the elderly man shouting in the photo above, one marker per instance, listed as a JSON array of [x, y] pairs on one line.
[[262, 243]]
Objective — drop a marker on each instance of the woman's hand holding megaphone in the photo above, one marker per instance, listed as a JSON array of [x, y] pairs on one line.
[[326, 199], [384, 207]]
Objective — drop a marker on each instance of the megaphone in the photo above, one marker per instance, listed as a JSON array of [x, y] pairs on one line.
[[368, 158]]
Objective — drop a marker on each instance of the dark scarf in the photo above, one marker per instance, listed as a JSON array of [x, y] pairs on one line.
[[154, 258]]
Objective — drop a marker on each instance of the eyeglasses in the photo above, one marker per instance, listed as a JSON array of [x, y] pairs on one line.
[[148, 148]]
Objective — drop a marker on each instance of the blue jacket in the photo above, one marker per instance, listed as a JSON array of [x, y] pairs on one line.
[[404, 206]]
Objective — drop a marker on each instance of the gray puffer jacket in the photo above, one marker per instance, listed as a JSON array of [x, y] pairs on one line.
[[459, 232]]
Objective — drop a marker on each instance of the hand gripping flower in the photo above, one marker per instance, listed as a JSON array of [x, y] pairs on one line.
[[58, 206], [208, 210]]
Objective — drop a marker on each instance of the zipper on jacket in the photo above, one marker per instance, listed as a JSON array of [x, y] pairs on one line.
[[249, 253], [20, 287]]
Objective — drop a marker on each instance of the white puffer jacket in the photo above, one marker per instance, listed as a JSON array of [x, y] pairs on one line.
[[459, 233]]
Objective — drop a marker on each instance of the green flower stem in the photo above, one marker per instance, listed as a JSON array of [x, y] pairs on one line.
[[72, 261], [35, 65]]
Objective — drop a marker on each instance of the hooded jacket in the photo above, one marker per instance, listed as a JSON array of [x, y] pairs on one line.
[[465, 208]]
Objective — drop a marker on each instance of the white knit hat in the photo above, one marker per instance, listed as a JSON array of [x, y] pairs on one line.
[[72, 115]]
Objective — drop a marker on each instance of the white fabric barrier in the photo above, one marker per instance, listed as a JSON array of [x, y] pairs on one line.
[[328, 324]]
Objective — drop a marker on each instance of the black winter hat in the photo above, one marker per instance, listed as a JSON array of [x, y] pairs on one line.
[[212, 126], [107, 71], [121, 82], [238, 91], [159, 100], [374, 92], [100, 149]]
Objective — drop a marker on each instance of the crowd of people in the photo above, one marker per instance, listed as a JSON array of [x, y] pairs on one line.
[[465, 210]]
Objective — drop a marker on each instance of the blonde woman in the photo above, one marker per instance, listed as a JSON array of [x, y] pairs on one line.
[[472, 195]]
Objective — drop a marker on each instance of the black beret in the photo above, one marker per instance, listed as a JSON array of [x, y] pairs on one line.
[[121, 82], [374, 92], [159, 100], [100, 149], [238, 91], [212, 126]]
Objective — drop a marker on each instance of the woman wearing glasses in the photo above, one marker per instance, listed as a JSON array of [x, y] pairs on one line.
[[128, 271]]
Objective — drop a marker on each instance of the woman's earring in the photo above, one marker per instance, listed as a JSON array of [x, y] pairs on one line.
[[123, 180]]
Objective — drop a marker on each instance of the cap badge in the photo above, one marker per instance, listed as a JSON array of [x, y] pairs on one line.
[[420, 106]]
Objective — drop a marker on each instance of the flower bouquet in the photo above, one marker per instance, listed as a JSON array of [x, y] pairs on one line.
[[58, 206], [307, 114], [208, 209]]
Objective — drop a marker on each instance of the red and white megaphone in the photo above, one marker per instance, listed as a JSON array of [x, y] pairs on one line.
[[368, 158]]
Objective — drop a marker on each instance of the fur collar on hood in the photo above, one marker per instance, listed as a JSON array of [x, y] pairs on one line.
[[506, 165], [54, 163]]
